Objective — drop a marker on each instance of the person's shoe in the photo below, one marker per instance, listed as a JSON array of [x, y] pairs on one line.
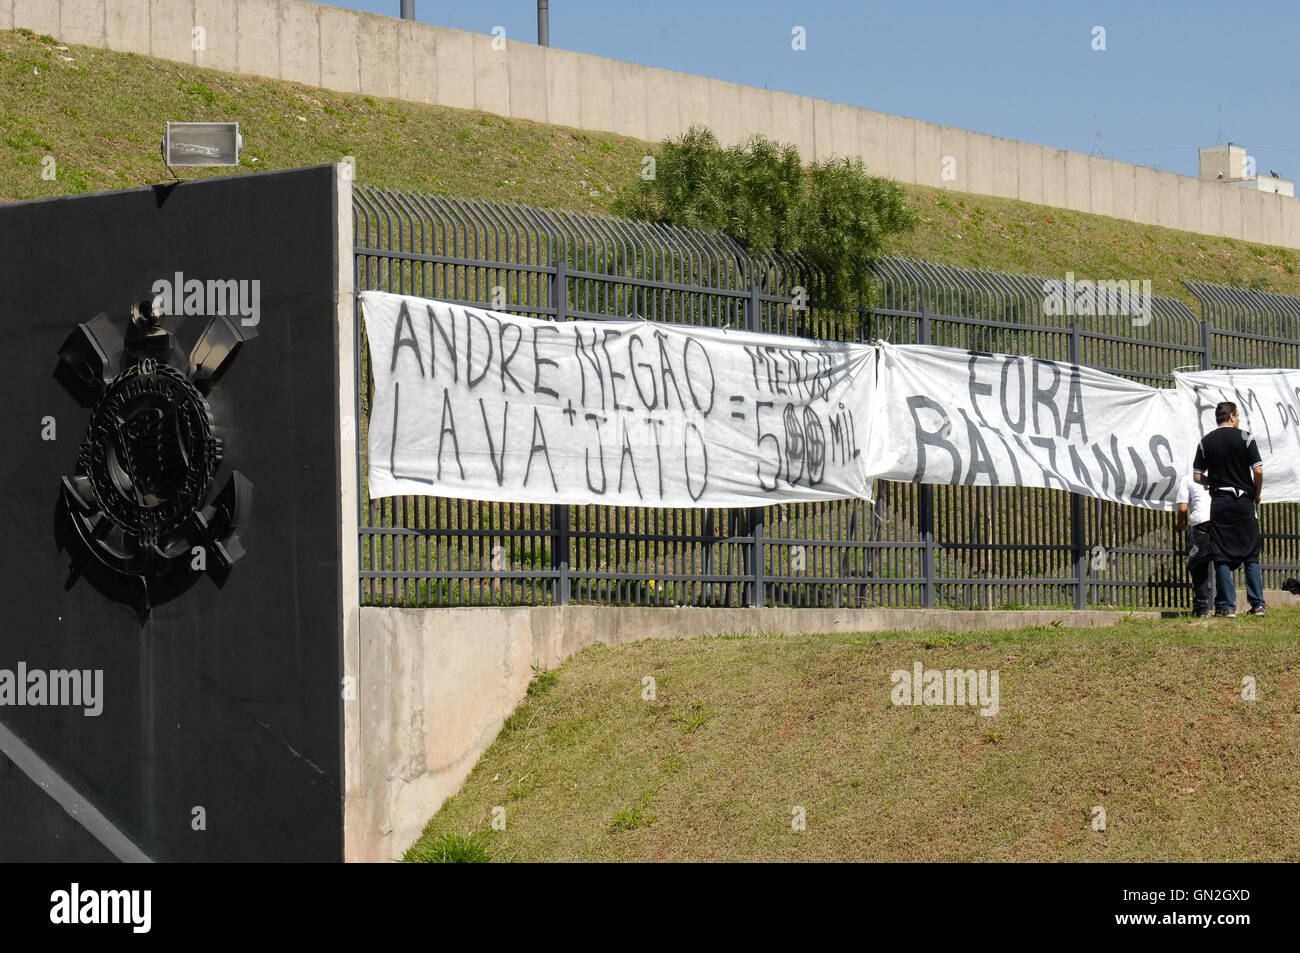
[[1256, 610], [1202, 613], [1226, 614]]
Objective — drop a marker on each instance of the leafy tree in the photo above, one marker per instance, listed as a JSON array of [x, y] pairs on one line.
[[831, 213]]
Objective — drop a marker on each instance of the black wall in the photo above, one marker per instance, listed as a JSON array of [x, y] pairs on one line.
[[35, 827], [227, 696]]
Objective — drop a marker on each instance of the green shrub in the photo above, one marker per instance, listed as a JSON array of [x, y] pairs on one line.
[[831, 213]]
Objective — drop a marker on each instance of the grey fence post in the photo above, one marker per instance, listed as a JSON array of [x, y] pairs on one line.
[[559, 300], [560, 552], [1207, 344], [1078, 541], [925, 503], [757, 550]]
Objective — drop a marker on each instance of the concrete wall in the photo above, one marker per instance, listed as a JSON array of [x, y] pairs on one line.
[[345, 330], [435, 686], [355, 52]]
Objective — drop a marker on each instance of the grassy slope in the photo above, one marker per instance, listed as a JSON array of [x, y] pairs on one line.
[[100, 115], [1145, 719]]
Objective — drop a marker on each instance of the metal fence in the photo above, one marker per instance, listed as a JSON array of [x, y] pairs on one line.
[[923, 546]]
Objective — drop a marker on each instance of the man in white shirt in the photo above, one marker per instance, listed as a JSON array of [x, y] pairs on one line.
[[1194, 516]]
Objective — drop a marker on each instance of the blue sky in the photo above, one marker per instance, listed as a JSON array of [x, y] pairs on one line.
[[1024, 70]]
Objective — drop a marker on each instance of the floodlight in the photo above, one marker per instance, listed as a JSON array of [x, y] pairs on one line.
[[202, 143]]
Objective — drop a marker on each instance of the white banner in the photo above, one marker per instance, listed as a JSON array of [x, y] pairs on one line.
[[1269, 404], [484, 405], [943, 415], [490, 406]]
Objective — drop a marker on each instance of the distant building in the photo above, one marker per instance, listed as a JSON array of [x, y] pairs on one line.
[[1230, 164], [1268, 183]]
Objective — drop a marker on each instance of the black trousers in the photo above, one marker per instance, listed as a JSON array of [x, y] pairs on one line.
[[1200, 565]]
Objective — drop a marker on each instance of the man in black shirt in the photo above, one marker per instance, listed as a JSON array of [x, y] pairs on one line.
[[1228, 465]]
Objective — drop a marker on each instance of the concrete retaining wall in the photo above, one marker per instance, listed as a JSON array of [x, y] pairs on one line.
[[435, 686], [355, 52]]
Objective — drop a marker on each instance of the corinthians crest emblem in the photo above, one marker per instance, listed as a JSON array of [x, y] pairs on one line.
[[142, 498]]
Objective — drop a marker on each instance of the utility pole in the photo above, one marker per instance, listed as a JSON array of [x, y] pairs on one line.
[[543, 22], [408, 9]]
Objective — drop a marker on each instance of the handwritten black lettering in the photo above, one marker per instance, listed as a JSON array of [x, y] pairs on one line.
[[584, 352], [814, 446], [666, 371], [400, 341], [502, 328], [1074, 407], [691, 377], [539, 443], [614, 376], [626, 456], [935, 436], [1046, 397], [653, 403], [1015, 423], [447, 426], [538, 360], [448, 344], [498, 461], [596, 419], [766, 487], [976, 389], [698, 466], [470, 379], [981, 462]]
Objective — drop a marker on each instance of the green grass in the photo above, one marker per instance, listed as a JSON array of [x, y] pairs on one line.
[[451, 849], [633, 816], [543, 681], [1145, 719], [100, 115]]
